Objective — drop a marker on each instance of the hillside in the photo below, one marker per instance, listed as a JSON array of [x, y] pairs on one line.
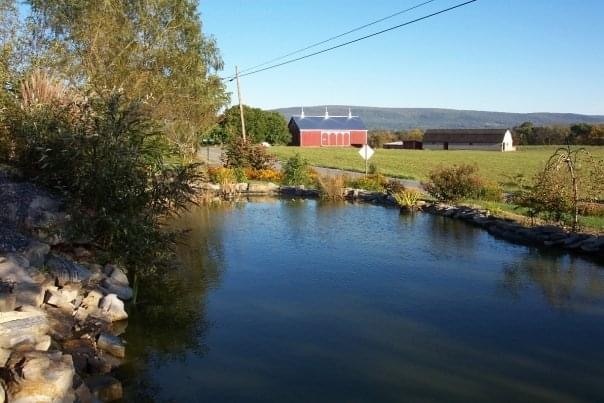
[[433, 118]]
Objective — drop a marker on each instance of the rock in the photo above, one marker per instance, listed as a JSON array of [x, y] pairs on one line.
[[19, 327], [96, 273], [113, 308], [122, 291], [56, 298], [82, 352], [61, 323], [111, 344], [262, 187], [66, 271], [575, 238], [43, 343], [119, 327], [30, 293], [4, 356], [105, 387], [8, 298], [43, 377], [591, 245], [89, 306], [13, 268], [118, 276], [83, 394], [36, 253], [210, 186]]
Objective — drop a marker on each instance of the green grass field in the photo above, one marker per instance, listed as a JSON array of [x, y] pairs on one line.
[[417, 164]]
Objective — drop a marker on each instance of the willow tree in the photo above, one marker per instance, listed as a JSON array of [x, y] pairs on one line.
[[149, 49]]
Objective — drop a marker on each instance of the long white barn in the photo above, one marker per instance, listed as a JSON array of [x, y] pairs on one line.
[[469, 139]]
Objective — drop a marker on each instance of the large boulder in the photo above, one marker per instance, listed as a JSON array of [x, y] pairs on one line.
[[22, 327], [111, 344], [112, 308], [65, 270], [41, 377]]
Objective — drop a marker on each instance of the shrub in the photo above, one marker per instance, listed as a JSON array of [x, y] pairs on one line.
[[373, 183], [240, 176], [241, 153], [407, 198], [265, 175], [295, 171], [332, 187], [591, 209], [114, 167], [222, 175], [489, 190], [453, 183]]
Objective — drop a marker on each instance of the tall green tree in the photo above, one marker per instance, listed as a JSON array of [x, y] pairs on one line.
[[260, 125], [152, 49]]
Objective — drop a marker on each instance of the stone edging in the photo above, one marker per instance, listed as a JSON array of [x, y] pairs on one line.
[[541, 235]]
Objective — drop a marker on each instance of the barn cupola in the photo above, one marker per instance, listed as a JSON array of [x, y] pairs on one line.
[[302, 113], [326, 113], [349, 114]]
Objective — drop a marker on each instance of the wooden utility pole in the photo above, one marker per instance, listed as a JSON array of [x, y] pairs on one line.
[[240, 104]]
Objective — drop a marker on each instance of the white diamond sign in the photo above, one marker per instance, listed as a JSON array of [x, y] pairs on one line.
[[366, 152]]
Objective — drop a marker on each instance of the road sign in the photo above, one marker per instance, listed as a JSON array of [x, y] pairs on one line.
[[366, 152]]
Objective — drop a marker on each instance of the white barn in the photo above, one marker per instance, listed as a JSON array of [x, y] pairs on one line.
[[469, 139]]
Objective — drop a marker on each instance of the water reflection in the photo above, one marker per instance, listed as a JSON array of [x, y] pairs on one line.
[[170, 318], [558, 279]]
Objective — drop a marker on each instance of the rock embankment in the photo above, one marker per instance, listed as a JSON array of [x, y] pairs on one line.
[[510, 230], [60, 317]]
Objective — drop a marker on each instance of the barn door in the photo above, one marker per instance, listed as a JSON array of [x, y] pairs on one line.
[[324, 139]]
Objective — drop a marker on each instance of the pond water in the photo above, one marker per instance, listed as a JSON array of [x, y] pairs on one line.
[[298, 301]]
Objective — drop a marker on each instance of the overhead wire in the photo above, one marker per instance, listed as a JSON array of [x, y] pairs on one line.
[[314, 45], [231, 78]]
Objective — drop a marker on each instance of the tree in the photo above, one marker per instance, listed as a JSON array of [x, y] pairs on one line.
[[260, 125], [524, 133], [580, 133], [148, 49]]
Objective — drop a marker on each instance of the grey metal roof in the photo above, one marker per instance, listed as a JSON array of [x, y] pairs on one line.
[[331, 123], [464, 135]]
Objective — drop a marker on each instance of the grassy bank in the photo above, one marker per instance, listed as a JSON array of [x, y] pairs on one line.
[[416, 164]]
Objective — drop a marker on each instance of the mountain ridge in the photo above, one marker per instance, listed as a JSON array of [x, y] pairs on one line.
[[376, 117]]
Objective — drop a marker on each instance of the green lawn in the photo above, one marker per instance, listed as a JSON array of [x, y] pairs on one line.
[[416, 164]]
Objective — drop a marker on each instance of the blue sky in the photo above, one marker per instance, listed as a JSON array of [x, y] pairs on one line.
[[500, 55]]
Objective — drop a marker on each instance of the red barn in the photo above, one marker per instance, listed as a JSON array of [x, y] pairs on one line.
[[327, 131]]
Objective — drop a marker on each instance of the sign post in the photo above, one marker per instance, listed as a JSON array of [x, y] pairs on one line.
[[366, 152]]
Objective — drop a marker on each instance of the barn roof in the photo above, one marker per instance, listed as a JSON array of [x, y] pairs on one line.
[[464, 135], [330, 123]]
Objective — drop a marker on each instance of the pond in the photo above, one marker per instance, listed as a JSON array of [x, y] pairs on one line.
[[297, 301]]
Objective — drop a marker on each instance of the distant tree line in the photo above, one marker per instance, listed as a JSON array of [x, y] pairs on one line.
[[524, 134], [582, 133], [379, 137]]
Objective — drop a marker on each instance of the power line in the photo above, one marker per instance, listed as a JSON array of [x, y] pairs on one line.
[[337, 36], [353, 41]]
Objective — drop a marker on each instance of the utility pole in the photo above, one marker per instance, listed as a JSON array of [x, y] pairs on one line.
[[240, 104]]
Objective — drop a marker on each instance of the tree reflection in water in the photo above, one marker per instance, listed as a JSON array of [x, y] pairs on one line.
[[557, 279], [169, 320]]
